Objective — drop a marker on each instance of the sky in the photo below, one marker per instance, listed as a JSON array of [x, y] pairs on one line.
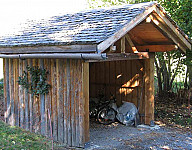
[[14, 12]]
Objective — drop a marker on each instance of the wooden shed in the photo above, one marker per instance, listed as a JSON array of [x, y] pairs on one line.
[[109, 50]]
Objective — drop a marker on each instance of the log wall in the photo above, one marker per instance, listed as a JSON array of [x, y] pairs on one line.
[[67, 100]]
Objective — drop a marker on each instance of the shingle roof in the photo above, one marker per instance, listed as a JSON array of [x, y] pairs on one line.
[[89, 27]]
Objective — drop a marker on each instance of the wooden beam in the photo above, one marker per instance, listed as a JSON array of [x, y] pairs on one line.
[[173, 28], [120, 33], [156, 48], [49, 49], [123, 44], [137, 39], [168, 33], [149, 88], [134, 49], [123, 56], [86, 100]]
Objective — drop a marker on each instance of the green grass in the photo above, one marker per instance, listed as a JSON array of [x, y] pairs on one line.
[[17, 138]]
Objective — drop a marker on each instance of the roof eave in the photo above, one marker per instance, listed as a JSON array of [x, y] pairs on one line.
[[183, 43], [49, 49]]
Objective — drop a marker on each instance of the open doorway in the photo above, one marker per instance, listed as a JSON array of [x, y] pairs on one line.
[[120, 79]]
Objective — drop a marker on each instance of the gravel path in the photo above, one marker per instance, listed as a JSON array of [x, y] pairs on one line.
[[117, 136]]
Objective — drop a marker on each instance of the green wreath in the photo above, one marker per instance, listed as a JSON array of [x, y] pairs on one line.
[[38, 81]]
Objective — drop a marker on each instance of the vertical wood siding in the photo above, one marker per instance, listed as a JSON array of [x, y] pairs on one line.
[[120, 78], [67, 100]]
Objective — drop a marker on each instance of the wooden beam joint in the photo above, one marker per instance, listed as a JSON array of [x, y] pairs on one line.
[[133, 47]]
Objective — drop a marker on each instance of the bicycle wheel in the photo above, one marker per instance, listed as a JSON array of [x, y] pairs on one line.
[[106, 116]]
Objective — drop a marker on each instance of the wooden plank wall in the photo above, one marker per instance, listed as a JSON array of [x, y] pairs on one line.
[[120, 78], [67, 100]]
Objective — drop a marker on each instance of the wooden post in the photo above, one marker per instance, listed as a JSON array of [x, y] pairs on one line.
[[59, 70], [149, 89], [31, 123], [11, 88], [42, 104], [26, 101], [54, 99], [65, 103], [16, 91], [69, 137], [7, 90], [123, 45], [86, 100], [21, 101], [78, 99]]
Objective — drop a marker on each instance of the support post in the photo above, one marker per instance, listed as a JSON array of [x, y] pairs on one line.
[[86, 101], [123, 44], [149, 88]]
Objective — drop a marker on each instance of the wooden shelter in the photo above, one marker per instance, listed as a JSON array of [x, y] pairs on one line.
[[109, 50]]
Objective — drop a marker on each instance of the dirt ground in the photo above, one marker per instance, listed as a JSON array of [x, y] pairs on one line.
[[120, 137]]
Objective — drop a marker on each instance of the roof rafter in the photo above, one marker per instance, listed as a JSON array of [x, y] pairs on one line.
[[133, 47]]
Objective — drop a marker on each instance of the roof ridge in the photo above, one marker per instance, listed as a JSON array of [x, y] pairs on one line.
[[118, 7]]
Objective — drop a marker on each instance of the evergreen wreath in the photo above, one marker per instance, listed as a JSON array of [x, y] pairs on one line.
[[37, 83]]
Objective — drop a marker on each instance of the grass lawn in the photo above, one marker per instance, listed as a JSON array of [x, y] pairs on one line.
[[17, 138]]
